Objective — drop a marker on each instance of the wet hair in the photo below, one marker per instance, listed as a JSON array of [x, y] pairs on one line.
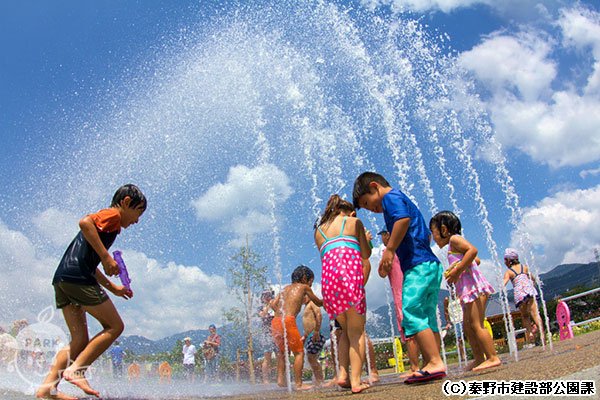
[[361, 185], [301, 274], [335, 205], [138, 200], [446, 218]]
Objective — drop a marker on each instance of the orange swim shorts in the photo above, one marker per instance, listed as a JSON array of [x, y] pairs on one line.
[[294, 340]]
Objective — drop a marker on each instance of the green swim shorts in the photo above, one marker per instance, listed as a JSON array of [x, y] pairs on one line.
[[66, 293], [420, 291]]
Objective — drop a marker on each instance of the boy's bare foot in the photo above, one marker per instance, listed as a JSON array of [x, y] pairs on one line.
[[50, 392], [473, 364], [360, 388], [303, 387], [77, 378], [407, 374], [490, 363], [345, 383], [374, 379], [332, 382], [281, 384]]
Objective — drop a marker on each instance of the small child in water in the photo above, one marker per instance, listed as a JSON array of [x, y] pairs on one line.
[[313, 338], [471, 287], [287, 305]]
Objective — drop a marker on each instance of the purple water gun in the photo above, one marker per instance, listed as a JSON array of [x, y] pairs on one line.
[[122, 270]]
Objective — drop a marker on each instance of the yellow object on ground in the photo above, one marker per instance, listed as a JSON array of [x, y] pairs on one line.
[[486, 325], [399, 363]]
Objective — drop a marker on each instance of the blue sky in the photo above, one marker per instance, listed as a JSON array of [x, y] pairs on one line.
[[240, 119]]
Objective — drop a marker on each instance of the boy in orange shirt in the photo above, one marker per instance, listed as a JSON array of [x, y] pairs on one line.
[[77, 291], [292, 297]]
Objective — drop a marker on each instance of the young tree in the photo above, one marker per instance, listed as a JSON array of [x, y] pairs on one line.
[[247, 281]]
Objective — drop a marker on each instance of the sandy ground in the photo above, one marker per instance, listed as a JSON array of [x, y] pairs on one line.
[[578, 358]]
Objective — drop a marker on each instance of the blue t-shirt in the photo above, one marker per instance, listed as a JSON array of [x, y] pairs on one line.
[[414, 248], [116, 353]]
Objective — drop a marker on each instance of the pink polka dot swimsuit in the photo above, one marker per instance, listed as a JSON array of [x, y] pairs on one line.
[[342, 275]]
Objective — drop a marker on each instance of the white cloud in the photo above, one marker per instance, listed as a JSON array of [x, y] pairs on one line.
[[563, 228], [246, 198], [558, 127], [512, 63], [170, 299], [57, 226], [25, 277]]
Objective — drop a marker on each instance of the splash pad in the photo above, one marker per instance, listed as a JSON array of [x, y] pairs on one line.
[[308, 93]]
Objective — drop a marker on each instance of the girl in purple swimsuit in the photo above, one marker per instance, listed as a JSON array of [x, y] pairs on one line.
[[471, 287], [345, 252], [524, 293]]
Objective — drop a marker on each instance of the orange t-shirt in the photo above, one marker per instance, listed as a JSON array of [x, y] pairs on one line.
[[107, 220]]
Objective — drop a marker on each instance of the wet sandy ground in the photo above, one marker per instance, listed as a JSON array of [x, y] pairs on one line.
[[578, 358]]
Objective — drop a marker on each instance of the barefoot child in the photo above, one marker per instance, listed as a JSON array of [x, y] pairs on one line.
[[471, 287], [524, 293], [77, 290], [409, 240], [287, 305], [341, 239], [313, 338]]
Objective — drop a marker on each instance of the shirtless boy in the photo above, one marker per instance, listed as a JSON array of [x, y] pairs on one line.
[[313, 338], [287, 305]]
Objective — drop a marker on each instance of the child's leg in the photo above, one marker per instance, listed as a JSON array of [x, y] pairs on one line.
[[281, 381], [77, 324], [412, 348], [372, 363], [524, 309], [315, 366], [353, 325], [535, 315], [107, 315], [343, 377], [470, 324], [431, 354], [482, 336], [298, 366], [335, 335], [266, 367]]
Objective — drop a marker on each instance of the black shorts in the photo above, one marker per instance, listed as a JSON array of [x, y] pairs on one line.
[[188, 369], [66, 293]]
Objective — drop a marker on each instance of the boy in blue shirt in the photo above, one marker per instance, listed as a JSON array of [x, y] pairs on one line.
[[77, 291], [409, 240]]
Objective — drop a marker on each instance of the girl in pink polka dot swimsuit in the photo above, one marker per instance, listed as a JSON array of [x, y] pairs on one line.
[[345, 252]]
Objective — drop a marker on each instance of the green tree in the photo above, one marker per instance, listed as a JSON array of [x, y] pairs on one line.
[[247, 281]]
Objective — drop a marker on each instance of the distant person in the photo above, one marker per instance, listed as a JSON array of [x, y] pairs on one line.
[[342, 242], [287, 305], [116, 356], [524, 294], [189, 359], [409, 240], [396, 277], [266, 315], [210, 352], [472, 289], [77, 290], [313, 338]]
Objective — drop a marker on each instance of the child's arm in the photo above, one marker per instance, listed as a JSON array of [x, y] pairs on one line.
[[366, 270], [90, 233], [398, 232], [365, 249], [446, 302], [469, 252], [111, 287], [308, 291], [506, 277]]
